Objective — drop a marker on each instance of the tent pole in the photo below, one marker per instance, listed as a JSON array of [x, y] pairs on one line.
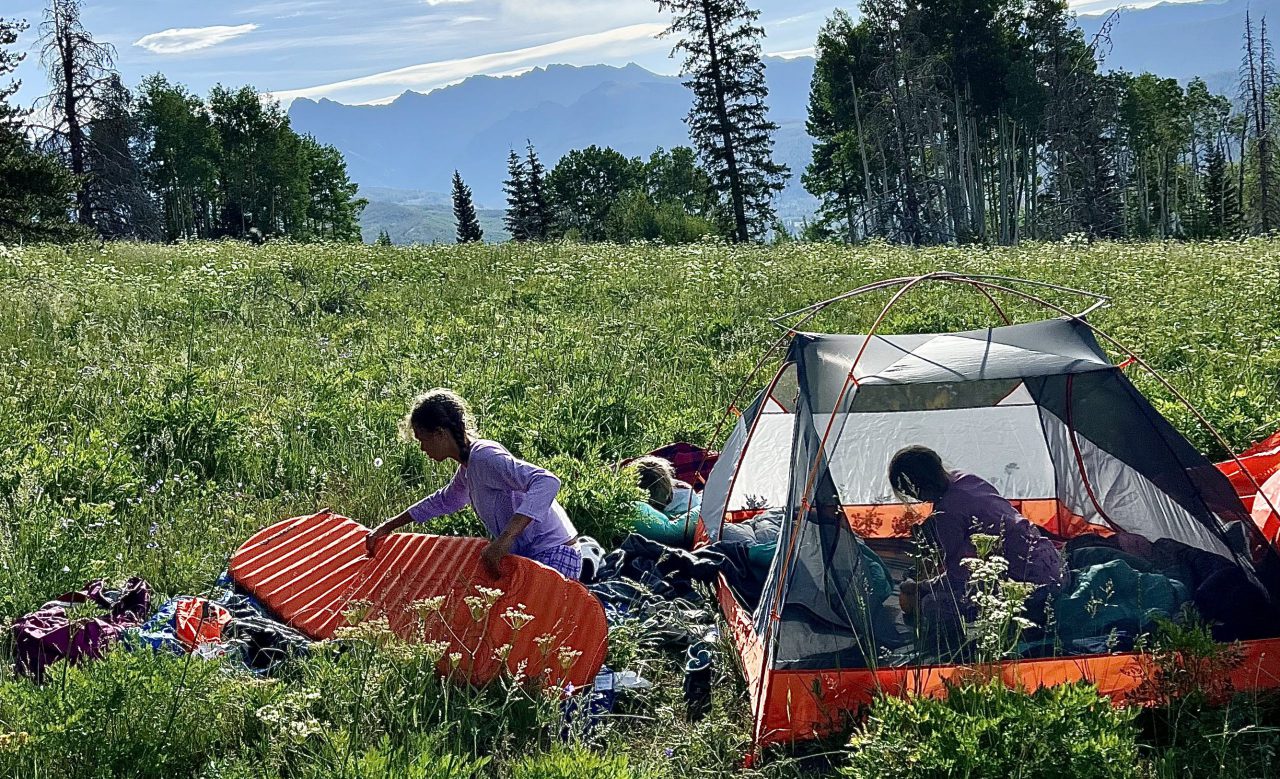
[[785, 568], [946, 276], [1204, 422]]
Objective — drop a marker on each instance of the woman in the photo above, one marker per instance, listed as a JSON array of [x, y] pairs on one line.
[[514, 499], [965, 505], [670, 515]]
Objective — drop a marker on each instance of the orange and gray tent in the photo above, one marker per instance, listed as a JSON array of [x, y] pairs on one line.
[[1036, 409]]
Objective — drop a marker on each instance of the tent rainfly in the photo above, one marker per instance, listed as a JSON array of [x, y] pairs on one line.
[[1036, 409]]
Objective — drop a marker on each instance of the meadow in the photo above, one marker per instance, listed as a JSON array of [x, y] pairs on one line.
[[158, 404]]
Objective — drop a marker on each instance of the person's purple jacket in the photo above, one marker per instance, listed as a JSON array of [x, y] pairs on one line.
[[498, 486], [971, 505]]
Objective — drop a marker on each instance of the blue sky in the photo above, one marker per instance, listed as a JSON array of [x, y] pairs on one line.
[[358, 51]]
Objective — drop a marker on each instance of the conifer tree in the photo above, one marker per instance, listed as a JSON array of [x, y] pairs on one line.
[[121, 201], [1222, 202], [80, 72], [384, 238], [517, 218], [540, 221], [728, 122], [35, 188], [464, 212]]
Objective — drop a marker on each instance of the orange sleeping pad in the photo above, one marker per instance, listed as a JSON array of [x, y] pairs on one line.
[[310, 570]]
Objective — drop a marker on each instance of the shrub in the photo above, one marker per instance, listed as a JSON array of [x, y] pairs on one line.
[[134, 714], [575, 763], [598, 500], [984, 729], [189, 426]]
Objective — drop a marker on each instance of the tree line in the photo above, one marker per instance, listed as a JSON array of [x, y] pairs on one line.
[[959, 121], [158, 162], [599, 194], [993, 121]]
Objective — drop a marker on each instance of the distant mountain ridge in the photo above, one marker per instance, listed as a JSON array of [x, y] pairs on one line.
[[418, 140], [1182, 39]]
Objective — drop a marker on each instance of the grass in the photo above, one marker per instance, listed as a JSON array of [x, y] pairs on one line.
[[159, 404]]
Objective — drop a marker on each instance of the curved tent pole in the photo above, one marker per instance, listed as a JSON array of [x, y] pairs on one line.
[[769, 648], [786, 336], [813, 309], [1218, 437], [947, 276], [746, 443]]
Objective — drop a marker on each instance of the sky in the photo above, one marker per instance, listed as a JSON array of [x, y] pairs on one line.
[[369, 51]]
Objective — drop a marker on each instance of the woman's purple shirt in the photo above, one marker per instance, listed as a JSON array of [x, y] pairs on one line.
[[498, 486], [971, 505]]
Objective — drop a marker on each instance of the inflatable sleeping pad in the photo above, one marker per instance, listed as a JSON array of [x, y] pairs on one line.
[[314, 573]]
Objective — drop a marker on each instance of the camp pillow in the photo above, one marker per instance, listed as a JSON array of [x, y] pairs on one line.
[[311, 571]]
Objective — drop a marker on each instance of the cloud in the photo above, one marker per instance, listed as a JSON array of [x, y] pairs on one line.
[[434, 3], [793, 53], [181, 40], [430, 75]]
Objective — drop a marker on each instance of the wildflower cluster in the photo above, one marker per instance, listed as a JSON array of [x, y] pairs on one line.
[[1000, 601], [289, 717]]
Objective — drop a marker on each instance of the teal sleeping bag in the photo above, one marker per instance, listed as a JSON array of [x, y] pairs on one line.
[[656, 526]]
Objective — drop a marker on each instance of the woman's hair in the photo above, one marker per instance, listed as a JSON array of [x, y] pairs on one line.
[[441, 409], [657, 477], [916, 472]]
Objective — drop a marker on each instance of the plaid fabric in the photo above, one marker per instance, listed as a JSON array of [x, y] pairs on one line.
[[565, 559], [692, 463]]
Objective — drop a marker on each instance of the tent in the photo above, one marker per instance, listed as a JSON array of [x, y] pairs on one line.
[[1037, 409]]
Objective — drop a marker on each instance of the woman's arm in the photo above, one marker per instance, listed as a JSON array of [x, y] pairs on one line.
[[501, 546], [446, 500]]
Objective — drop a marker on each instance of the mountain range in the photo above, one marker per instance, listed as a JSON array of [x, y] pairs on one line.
[[403, 153]]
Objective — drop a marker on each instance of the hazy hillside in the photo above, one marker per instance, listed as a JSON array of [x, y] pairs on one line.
[[1182, 40], [411, 216]]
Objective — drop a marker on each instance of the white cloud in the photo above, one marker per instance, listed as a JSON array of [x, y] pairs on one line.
[[793, 53], [434, 3], [1102, 7], [181, 40], [429, 75]]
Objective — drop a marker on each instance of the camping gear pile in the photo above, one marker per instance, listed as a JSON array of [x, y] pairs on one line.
[[1038, 410], [226, 624]]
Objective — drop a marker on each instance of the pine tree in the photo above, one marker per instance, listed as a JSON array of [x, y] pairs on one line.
[[540, 220], [728, 122], [121, 201], [517, 217], [1222, 202], [384, 238], [35, 189], [464, 212]]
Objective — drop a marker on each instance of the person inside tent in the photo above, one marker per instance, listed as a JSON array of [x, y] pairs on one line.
[[965, 505], [670, 514], [515, 500]]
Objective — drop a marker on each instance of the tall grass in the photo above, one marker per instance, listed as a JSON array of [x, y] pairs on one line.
[[159, 404]]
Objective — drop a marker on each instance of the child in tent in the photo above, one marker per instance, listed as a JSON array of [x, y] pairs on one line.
[[514, 499], [670, 515], [965, 505]]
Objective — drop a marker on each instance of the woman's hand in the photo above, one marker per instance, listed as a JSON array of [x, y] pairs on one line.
[[380, 532], [909, 597], [492, 555]]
